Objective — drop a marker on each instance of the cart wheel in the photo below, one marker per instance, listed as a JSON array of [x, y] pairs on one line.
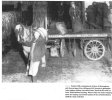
[[94, 50], [62, 48]]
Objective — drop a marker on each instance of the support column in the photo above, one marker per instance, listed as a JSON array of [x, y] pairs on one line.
[[110, 15], [39, 13]]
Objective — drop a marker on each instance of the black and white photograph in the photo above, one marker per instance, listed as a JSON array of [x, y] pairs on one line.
[[56, 41], [68, 42]]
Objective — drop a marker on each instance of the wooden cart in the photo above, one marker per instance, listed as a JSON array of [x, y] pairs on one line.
[[93, 42]]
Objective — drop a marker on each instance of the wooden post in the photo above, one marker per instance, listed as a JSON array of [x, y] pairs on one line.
[[39, 14], [83, 12], [110, 16]]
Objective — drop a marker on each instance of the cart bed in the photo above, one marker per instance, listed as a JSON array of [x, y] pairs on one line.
[[85, 33]]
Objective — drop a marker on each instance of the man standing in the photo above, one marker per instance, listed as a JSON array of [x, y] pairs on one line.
[[75, 13]]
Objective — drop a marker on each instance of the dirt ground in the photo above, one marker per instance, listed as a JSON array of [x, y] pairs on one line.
[[68, 69]]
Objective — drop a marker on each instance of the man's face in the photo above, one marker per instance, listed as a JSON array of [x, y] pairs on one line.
[[18, 28], [19, 32]]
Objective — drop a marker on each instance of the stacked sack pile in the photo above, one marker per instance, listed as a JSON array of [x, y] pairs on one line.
[[97, 14]]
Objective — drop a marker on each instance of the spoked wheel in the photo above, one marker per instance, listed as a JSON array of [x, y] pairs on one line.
[[62, 48], [94, 50]]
